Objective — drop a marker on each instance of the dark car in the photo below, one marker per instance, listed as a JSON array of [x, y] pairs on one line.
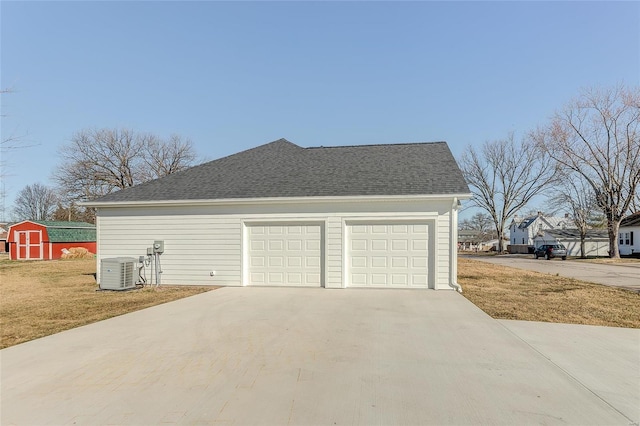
[[549, 251]]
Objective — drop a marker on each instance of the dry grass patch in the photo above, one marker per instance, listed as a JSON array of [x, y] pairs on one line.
[[609, 261], [508, 293], [39, 298]]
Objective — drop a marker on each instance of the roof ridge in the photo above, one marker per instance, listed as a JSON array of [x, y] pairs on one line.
[[375, 144]]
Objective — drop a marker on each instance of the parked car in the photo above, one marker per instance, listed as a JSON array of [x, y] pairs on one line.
[[549, 251]]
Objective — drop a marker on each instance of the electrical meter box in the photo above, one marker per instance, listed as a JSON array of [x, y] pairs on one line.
[[158, 246]]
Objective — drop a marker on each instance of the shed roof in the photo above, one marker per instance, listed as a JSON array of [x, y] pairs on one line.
[[591, 234], [283, 169], [68, 232]]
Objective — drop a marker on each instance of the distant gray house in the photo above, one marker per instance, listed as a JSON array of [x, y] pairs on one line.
[[283, 215], [523, 230], [596, 241]]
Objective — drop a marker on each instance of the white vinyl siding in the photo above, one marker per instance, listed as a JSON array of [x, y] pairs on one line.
[[442, 251], [334, 253], [195, 246]]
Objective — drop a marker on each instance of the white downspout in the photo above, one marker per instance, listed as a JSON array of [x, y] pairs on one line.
[[453, 245]]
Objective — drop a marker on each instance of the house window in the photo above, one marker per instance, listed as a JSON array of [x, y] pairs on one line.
[[523, 241], [626, 238], [631, 237], [621, 240], [514, 240]]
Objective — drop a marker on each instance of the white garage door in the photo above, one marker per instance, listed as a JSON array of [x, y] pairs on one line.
[[285, 255], [388, 255]]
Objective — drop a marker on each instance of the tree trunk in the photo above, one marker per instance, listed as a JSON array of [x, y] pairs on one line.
[[583, 255], [500, 241], [613, 227]]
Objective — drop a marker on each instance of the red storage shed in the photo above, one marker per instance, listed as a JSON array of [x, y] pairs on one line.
[[46, 240]]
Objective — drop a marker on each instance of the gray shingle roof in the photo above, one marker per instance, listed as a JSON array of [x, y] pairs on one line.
[[631, 220], [283, 169]]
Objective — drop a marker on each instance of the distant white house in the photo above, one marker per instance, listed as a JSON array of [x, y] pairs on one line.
[[629, 228], [596, 242], [522, 231]]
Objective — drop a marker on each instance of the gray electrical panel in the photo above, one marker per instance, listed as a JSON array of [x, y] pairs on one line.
[[158, 246], [118, 273]]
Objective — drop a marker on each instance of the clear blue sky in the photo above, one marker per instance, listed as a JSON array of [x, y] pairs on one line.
[[234, 75]]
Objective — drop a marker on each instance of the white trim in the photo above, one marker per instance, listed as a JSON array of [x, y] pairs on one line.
[[27, 246], [274, 200], [453, 247]]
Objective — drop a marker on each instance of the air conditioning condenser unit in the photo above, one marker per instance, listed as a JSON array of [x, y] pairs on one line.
[[118, 273]]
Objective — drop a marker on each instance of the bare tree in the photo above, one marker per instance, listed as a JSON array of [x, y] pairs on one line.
[[634, 207], [504, 176], [597, 137], [9, 141], [165, 157], [479, 222], [35, 202], [71, 212], [99, 161], [573, 195]]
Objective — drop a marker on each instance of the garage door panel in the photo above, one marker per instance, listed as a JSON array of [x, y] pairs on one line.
[[379, 279], [276, 261], [399, 245], [285, 255], [359, 261], [419, 280], [258, 278], [379, 245], [378, 262], [358, 244], [276, 245], [313, 278], [419, 245], [294, 262], [257, 261], [358, 280], [419, 262], [312, 262], [400, 229], [257, 245], [294, 245], [388, 255], [399, 262], [399, 279]]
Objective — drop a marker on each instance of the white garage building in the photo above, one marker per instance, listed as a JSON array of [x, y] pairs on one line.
[[283, 215]]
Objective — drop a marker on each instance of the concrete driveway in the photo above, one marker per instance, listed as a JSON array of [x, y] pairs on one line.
[[624, 275], [248, 356]]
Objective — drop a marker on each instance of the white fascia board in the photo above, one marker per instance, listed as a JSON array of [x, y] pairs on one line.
[[275, 200]]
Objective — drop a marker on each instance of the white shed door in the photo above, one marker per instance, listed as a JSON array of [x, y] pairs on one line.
[[388, 255], [285, 255]]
